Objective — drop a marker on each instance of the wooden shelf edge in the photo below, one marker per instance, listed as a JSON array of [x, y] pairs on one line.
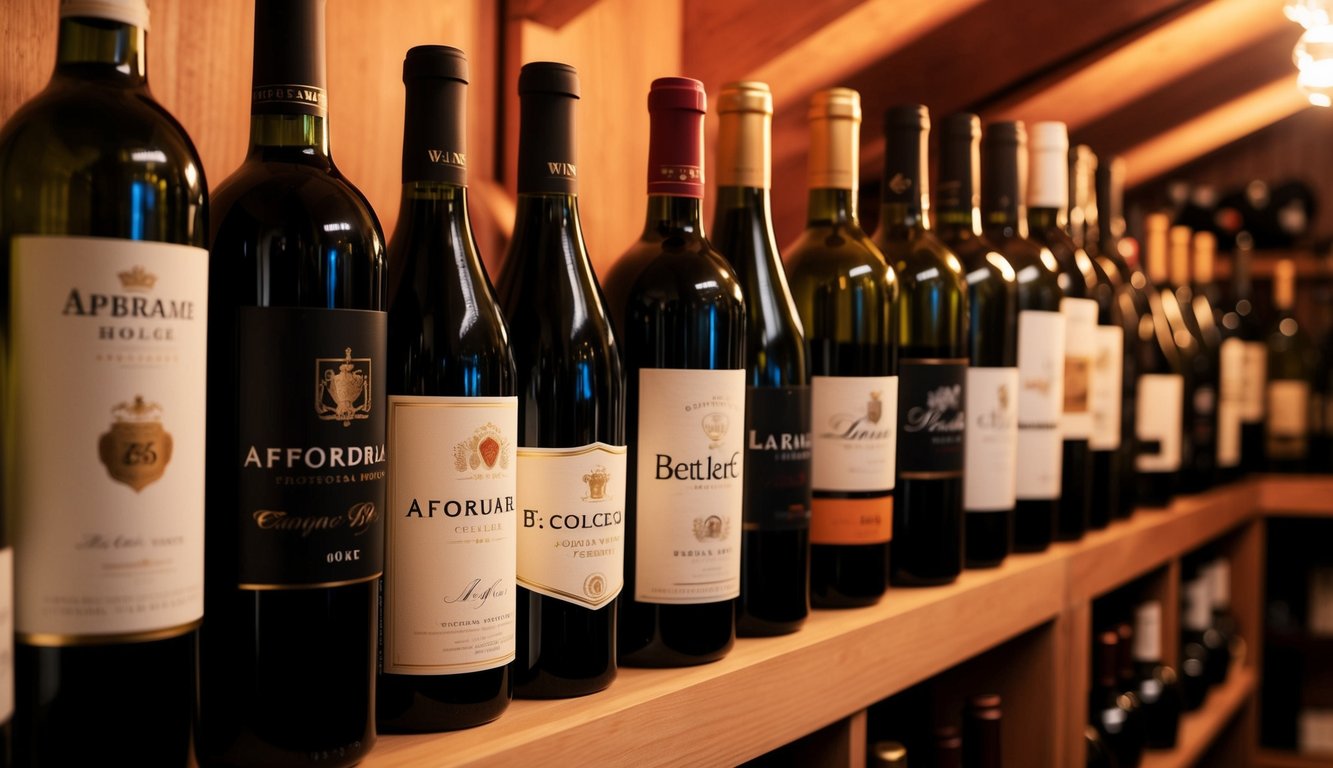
[[1199, 729], [1278, 758], [1296, 495]]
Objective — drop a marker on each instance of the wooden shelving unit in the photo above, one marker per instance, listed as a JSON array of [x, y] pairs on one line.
[[773, 691], [1272, 758]]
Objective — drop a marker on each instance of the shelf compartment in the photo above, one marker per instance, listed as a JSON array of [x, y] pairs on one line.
[[1199, 729]]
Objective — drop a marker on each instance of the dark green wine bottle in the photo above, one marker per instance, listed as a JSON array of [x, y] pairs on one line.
[[1287, 424], [103, 219], [1159, 421]]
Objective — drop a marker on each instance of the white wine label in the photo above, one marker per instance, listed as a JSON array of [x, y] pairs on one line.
[[1108, 381], [1231, 402], [1157, 421], [1219, 583], [689, 476], [1077, 422], [991, 446], [1287, 426], [1254, 383], [449, 596], [571, 538], [1148, 632], [853, 432], [6, 634], [109, 348], [1198, 608], [1041, 395]]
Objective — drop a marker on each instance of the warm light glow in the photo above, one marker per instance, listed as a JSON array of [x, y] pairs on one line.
[[1313, 56], [1307, 13]]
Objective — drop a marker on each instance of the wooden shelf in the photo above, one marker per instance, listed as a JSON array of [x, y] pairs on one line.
[[1277, 758], [1198, 729], [1296, 495]]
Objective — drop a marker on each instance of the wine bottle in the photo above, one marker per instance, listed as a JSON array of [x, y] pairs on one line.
[[571, 444], [678, 309], [1230, 358], [1096, 754], [948, 747], [844, 291], [1242, 319], [296, 463], [981, 733], [932, 319], [1157, 685], [1159, 420], [1199, 471], [1047, 203], [888, 754], [1133, 727], [1200, 642], [1041, 334], [991, 404], [1107, 372], [1108, 708], [1217, 572], [103, 216], [1287, 400], [1180, 318], [775, 539], [452, 434], [1131, 306]]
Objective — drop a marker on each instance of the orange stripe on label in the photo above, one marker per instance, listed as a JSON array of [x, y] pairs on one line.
[[851, 521]]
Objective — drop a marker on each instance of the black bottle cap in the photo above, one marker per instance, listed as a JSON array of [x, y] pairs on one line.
[[913, 116], [548, 77], [964, 124], [435, 61], [1005, 132], [288, 77], [435, 119], [547, 155]]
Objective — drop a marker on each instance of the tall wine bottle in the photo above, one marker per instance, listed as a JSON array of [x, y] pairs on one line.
[[1108, 708], [1158, 685], [1159, 422], [982, 745], [1227, 355], [103, 212], [1133, 727], [1176, 303], [932, 322], [1199, 473], [1287, 398], [1242, 319], [296, 464], [451, 533], [678, 310], [571, 455], [844, 292], [1048, 196], [1041, 334], [775, 542], [991, 404]]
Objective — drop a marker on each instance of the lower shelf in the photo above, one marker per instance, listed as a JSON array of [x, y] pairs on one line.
[[1277, 758], [1198, 729]]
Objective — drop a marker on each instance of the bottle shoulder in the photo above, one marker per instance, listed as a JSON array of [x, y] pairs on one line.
[[261, 201], [675, 269], [834, 252]]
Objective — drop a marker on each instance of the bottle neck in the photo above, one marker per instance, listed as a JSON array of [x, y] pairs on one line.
[[956, 198], [955, 223], [906, 198], [288, 106], [307, 133], [1002, 191], [673, 215], [102, 48], [831, 207], [1046, 218]]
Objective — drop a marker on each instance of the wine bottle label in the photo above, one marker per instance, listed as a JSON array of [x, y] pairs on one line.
[[1230, 402], [1288, 422], [1108, 364], [931, 422], [449, 597], [1148, 632], [1157, 421], [571, 535], [1254, 384], [109, 348], [689, 475], [311, 461], [854, 443], [991, 448], [1219, 583], [6, 634], [777, 458], [1198, 612], [1077, 422], [1041, 394]]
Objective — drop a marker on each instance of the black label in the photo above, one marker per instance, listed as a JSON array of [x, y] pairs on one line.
[[930, 416], [311, 463], [777, 458]]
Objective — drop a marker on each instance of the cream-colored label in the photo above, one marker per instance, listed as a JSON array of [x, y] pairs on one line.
[[1157, 421], [1041, 393], [449, 596], [1148, 632], [689, 470], [853, 425], [1288, 408], [6, 634], [1108, 366], [1076, 422], [571, 536], [1230, 401], [990, 474], [1254, 383], [107, 460]]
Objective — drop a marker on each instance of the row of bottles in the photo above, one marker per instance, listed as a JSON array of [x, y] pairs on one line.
[[977, 744]]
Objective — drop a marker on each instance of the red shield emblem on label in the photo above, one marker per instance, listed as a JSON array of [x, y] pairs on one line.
[[490, 450]]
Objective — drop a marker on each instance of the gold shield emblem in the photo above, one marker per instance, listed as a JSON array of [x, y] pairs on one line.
[[342, 388], [136, 450], [874, 408]]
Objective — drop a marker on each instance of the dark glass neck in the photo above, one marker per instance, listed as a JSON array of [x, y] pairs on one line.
[[674, 215], [89, 48], [1047, 218], [756, 199], [831, 207], [288, 108], [442, 207], [305, 134], [906, 203], [957, 224], [555, 211], [956, 199], [1003, 210]]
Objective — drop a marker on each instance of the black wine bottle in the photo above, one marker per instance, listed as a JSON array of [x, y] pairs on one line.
[[1228, 356], [103, 212], [1157, 685], [571, 456], [991, 403], [1242, 319], [1198, 473], [1134, 728], [678, 310], [1108, 708], [981, 732], [844, 292], [451, 437], [1048, 194], [932, 321], [296, 464], [1199, 641], [775, 542], [1159, 420], [1287, 397], [1041, 334], [1221, 624]]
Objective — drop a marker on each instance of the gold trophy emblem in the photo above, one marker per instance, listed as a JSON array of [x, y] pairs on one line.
[[874, 408], [343, 395], [136, 450], [596, 480], [715, 425]]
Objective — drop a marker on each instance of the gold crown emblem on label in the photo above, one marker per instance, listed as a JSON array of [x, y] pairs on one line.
[[596, 479], [137, 279]]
